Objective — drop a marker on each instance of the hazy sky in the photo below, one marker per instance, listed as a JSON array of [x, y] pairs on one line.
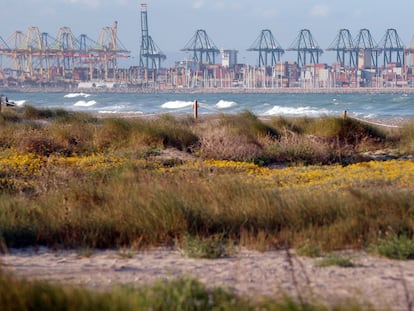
[[229, 23]]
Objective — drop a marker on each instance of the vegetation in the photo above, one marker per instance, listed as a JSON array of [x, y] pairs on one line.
[[336, 260], [181, 294], [72, 180], [395, 246]]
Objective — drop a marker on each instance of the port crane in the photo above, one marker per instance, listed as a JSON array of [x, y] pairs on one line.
[[268, 47], [343, 45], [308, 51], [203, 48]]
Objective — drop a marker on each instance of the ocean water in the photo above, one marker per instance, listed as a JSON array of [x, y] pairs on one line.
[[365, 106]]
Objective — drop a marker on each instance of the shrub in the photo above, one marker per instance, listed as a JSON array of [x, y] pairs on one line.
[[211, 247], [38, 142], [74, 137], [220, 143], [174, 133], [345, 131], [235, 137], [395, 246], [296, 125], [309, 249], [297, 148], [407, 139], [336, 260], [164, 131], [30, 112]]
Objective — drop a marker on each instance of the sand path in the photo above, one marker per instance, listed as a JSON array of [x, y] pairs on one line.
[[380, 281]]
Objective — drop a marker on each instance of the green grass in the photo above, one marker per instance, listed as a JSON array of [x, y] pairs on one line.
[[137, 205], [181, 294], [309, 249], [212, 247], [335, 259], [202, 212], [394, 246]]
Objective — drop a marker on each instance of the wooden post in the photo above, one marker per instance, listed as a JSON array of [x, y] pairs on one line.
[[195, 108], [345, 114]]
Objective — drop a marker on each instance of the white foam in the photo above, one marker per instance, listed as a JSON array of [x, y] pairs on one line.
[[83, 103], [177, 104], [371, 116], [19, 102], [117, 112], [296, 111], [73, 95], [223, 104]]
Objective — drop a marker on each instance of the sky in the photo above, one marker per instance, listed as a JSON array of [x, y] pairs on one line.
[[230, 24]]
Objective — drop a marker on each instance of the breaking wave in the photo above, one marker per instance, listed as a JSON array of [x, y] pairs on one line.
[[19, 102], [223, 104], [83, 103], [177, 104], [297, 111], [73, 95], [125, 113]]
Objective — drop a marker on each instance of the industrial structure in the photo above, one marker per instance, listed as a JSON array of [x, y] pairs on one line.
[[268, 47], [203, 48], [150, 56], [307, 49], [36, 58], [368, 50], [343, 45], [393, 48]]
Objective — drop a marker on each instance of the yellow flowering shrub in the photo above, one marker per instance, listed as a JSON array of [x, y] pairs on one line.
[[18, 170], [394, 172]]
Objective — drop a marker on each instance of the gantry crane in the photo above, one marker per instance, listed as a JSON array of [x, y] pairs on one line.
[[150, 55], [268, 47], [368, 51], [343, 45], [393, 48], [306, 46], [203, 48], [38, 56]]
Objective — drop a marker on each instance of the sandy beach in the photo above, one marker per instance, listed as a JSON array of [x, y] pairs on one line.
[[382, 282]]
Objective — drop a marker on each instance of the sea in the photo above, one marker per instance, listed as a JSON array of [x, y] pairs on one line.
[[398, 106]]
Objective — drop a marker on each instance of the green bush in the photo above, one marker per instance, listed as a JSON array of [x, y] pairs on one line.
[[395, 246], [211, 247], [336, 260]]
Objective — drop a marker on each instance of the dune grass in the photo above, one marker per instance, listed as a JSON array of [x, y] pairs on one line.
[[71, 180]]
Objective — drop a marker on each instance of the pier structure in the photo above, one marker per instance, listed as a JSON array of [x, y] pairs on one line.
[[269, 50]]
